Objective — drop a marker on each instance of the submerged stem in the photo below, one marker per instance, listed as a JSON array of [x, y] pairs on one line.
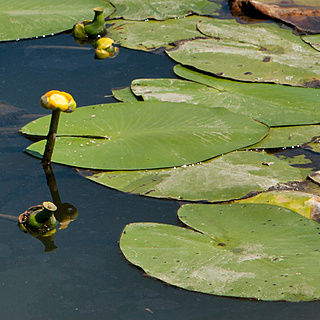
[[51, 138]]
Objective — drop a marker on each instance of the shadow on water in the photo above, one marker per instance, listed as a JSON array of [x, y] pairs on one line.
[[87, 277]]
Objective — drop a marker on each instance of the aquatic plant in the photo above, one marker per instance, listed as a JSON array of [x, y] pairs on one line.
[[57, 101]]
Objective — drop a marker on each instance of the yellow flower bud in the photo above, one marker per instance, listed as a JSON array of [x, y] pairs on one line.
[[58, 100]]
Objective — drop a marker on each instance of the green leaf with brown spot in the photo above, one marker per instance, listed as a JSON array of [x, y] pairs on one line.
[[231, 176], [255, 53]]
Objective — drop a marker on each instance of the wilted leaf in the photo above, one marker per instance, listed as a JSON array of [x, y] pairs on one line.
[[257, 53], [228, 177], [306, 204], [303, 14], [142, 135], [250, 251], [26, 19]]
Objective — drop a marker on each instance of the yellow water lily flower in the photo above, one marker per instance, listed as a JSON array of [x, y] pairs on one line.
[[58, 100], [104, 48]]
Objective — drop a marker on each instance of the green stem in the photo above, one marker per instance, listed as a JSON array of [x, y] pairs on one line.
[[51, 138]]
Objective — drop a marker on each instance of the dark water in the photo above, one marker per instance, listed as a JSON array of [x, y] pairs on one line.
[[87, 277]]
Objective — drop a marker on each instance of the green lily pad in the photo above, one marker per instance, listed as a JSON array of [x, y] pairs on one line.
[[313, 40], [254, 251], [306, 204], [256, 53], [288, 137], [175, 90], [141, 10], [32, 18], [124, 95], [151, 35], [231, 176], [271, 104], [142, 135]]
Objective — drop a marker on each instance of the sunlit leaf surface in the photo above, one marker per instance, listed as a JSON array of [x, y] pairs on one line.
[[32, 18], [228, 177], [151, 35], [124, 95], [161, 10], [274, 105], [255, 251], [288, 137], [145, 135], [256, 53]]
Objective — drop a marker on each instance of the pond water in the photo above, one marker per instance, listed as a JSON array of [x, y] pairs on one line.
[[87, 277]]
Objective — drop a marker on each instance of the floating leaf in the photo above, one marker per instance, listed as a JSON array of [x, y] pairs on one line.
[[250, 251], [142, 135], [313, 40], [284, 137], [26, 19], [225, 178], [175, 90], [124, 95], [306, 204], [258, 53], [152, 35], [271, 104], [141, 10]]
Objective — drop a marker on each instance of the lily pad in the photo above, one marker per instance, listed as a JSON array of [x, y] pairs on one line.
[[124, 95], [306, 204], [151, 35], [254, 251], [32, 18], [271, 104], [255, 53], [145, 135], [313, 40], [151, 9], [175, 90], [231, 176], [284, 137]]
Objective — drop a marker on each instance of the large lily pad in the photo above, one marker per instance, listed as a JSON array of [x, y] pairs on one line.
[[26, 19], [151, 35], [271, 104], [256, 53], [306, 204], [146, 9], [141, 135], [225, 178], [250, 251]]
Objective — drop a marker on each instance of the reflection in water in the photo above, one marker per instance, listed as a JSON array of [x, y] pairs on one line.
[[40, 221]]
